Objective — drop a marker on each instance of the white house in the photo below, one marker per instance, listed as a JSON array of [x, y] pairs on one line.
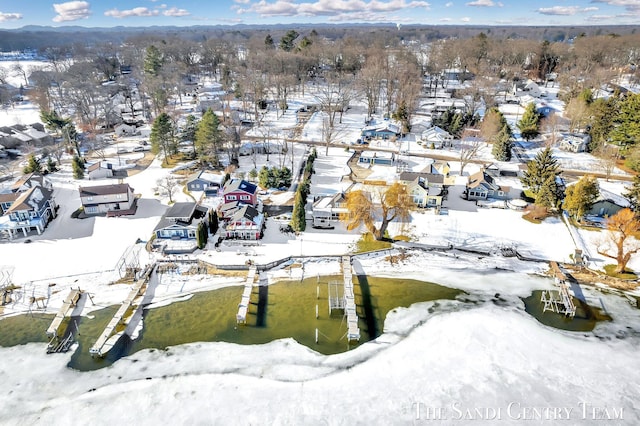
[[124, 129], [436, 136], [111, 199], [575, 142]]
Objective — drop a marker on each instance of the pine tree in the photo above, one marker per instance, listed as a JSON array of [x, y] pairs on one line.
[[503, 144], [632, 194], [208, 137], [78, 167], [298, 217], [152, 61], [161, 136], [580, 196], [626, 129], [268, 42], [548, 194], [213, 222], [33, 165], [539, 170], [529, 125]]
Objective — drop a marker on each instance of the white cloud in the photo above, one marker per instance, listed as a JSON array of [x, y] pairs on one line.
[[482, 3], [559, 10], [4, 17], [630, 5], [174, 11], [449, 4], [466, 19], [328, 7], [137, 11], [71, 11]]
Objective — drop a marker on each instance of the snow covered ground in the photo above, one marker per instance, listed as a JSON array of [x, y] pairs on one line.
[[478, 358]]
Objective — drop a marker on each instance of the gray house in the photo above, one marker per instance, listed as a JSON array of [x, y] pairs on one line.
[[205, 181], [483, 186]]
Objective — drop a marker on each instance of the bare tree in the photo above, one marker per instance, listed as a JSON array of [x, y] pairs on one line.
[[167, 186], [470, 144]]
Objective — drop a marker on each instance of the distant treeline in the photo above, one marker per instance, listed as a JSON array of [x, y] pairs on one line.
[[38, 38]]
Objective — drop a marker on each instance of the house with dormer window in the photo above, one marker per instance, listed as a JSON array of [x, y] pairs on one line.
[[241, 191], [32, 210]]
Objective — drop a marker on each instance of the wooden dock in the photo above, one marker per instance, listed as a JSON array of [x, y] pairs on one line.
[[116, 327], [559, 301], [67, 306], [243, 307], [353, 329]]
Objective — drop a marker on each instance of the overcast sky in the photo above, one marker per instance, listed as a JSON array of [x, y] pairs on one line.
[[110, 13]]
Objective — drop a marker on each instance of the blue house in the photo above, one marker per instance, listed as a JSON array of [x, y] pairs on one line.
[[180, 221], [205, 181], [32, 210]]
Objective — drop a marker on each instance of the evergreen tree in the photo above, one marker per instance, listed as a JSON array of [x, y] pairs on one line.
[[626, 129], [51, 165], [201, 235], [580, 196], [529, 125], [161, 136], [152, 61], [78, 167], [602, 113], [264, 177], [287, 41], [502, 146], [298, 218], [268, 42], [548, 194], [213, 222], [208, 138], [52, 121], [33, 165], [189, 131], [632, 194], [539, 170]]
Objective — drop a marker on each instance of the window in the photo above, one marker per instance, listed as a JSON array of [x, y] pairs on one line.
[[92, 209], [118, 196], [245, 197], [231, 197], [89, 198]]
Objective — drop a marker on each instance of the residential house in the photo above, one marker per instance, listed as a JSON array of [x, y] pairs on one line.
[[326, 211], [205, 181], [425, 195], [434, 179], [99, 171], [483, 186], [240, 190], [377, 157], [246, 224], [176, 232], [33, 209], [384, 130], [607, 204], [6, 199], [575, 142], [114, 199], [527, 87], [29, 181], [436, 136], [125, 129]]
